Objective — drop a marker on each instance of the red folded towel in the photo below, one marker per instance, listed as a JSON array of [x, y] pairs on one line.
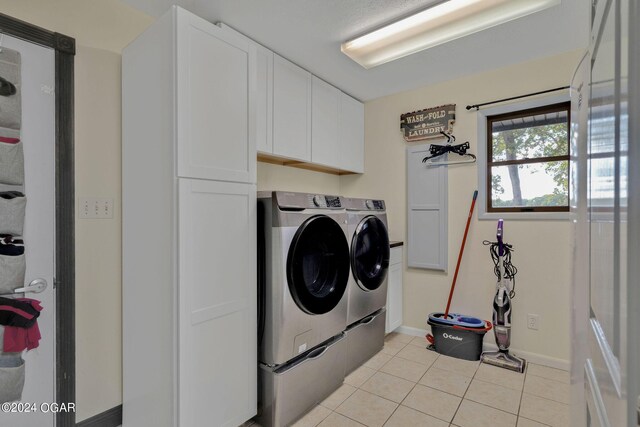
[[17, 339]]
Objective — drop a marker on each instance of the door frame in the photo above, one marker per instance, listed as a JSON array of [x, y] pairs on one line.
[[64, 276]]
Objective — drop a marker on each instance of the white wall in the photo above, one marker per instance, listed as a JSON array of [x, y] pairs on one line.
[[285, 178], [101, 29], [541, 247]]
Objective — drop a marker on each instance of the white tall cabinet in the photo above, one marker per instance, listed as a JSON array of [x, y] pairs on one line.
[[189, 226]]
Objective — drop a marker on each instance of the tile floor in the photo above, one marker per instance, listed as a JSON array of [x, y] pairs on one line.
[[407, 385]]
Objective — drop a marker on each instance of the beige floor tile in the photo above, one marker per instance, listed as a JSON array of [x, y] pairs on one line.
[[548, 373], [313, 417], [432, 402], [417, 354], [472, 414], [404, 417], [460, 366], [446, 381], [396, 336], [523, 422], [388, 386], [367, 408], [493, 395], [393, 347], [500, 376], [377, 361], [337, 420], [549, 389], [544, 411], [359, 376], [419, 341], [406, 369], [338, 396]]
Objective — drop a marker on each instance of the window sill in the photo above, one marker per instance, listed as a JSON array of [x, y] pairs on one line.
[[525, 216]]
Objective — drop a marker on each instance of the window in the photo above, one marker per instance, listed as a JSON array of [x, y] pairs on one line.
[[528, 160]]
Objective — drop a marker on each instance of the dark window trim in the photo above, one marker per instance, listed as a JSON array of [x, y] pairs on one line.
[[64, 276], [551, 108]]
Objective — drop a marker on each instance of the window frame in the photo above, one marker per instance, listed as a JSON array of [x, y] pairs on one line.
[[484, 156]]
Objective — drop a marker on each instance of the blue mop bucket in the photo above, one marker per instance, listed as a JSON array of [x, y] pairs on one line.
[[457, 335]]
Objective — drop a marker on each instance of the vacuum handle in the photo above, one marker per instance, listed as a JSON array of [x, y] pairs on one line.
[[500, 237], [487, 328]]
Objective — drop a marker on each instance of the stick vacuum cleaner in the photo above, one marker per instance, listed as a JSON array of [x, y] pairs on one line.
[[505, 271]]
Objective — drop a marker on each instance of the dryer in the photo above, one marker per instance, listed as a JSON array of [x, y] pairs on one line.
[[306, 273], [369, 255]]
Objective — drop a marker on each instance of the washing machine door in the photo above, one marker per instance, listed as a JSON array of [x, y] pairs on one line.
[[318, 265], [370, 253]]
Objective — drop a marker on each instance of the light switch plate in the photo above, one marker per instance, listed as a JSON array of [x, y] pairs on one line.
[[95, 208]]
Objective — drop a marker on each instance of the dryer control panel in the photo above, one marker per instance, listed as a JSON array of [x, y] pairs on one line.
[[353, 204], [375, 205]]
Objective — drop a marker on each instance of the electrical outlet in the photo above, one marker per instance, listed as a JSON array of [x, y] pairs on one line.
[[533, 321], [96, 208]]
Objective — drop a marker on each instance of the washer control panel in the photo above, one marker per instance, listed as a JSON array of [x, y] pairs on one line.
[[320, 201], [299, 201]]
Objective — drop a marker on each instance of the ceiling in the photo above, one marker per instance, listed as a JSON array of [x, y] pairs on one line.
[[309, 33]]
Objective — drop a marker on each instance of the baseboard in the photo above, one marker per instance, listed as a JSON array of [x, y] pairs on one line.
[[109, 418], [536, 358], [408, 330]]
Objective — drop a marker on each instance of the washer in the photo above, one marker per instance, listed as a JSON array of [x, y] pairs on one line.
[[306, 273], [369, 257]]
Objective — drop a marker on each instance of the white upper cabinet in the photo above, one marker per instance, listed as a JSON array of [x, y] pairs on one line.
[[291, 110], [264, 100], [351, 153], [325, 103], [215, 83], [264, 92]]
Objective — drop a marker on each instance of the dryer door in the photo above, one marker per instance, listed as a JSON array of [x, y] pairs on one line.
[[370, 253], [318, 265]]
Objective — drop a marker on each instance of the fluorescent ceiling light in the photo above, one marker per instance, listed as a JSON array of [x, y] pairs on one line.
[[436, 25]]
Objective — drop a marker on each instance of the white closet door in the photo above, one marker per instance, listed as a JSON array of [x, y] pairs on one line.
[[217, 342], [216, 79]]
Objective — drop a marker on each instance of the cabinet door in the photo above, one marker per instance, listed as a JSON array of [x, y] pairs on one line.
[[351, 134], [325, 104], [291, 110], [264, 92], [215, 107], [264, 101], [394, 292], [217, 331]]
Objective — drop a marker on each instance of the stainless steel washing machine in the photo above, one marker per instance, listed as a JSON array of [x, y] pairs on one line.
[[306, 273], [303, 277], [367, 290]]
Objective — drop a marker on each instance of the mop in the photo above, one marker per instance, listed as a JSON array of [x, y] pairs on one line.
[[502, 306]]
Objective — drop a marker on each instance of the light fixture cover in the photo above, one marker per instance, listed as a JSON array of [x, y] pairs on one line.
[[436, 25]]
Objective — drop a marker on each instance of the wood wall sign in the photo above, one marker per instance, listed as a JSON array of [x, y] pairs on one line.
[[428, 123]]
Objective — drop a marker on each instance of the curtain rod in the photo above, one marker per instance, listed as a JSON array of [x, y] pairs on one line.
[[477, 106]]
